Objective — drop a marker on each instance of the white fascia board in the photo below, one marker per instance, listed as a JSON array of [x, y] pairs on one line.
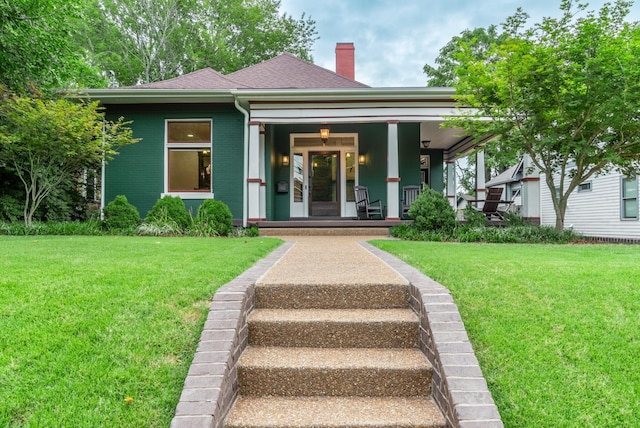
[[362, 114], [351, 94], [156, 96]]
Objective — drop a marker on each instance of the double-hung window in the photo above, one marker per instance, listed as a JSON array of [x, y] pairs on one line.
[[629, 191], [188, 156]]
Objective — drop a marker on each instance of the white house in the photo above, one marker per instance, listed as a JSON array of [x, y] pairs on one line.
[[605, 206]]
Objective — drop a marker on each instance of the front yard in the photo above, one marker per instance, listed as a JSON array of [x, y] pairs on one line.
[[556, 328], [100, 331]]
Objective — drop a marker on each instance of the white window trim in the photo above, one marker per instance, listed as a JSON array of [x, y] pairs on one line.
[[167, 146], [589, 189], [622, 199]]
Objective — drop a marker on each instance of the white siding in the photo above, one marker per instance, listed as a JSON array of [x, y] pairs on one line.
[[594, 213]]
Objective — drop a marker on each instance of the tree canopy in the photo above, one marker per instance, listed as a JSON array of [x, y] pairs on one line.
[[36, 50], [141, 41], [564, 91]]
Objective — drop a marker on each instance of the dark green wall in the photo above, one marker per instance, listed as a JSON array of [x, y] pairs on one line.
[[372, 140], [138, 171]]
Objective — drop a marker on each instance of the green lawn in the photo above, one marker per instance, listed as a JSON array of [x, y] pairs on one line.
[[556, 327], [86, 322]]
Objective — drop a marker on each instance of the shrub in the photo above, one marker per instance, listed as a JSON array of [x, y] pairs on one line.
[[474, 217], [169, 209], [168, 228], [431, 212], [120, 215], [214, 219]]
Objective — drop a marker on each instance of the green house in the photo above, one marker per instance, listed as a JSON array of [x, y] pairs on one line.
[[279, 141]]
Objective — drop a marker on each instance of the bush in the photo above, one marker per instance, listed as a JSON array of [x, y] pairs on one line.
[[120, 215], [214, 219], [432, 212], [167, 210], [474, 218]]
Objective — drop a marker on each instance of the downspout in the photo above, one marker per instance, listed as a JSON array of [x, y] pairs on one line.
[[102, 176], [246, 160]]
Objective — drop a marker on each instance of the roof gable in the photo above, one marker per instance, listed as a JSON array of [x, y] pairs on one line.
[[287, 71]]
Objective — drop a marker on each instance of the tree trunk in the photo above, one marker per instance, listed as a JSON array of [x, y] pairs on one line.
[[560, 209]]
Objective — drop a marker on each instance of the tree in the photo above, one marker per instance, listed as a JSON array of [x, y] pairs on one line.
[[479, 42], [35, 47], [46, 142], [142, 41], [564, 91]]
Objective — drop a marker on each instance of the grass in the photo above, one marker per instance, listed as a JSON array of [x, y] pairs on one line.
[[556, 328], [86, 322]]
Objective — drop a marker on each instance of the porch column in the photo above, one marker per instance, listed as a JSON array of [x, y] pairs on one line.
[[481, 192], [263, 183], [530, 191], [451, 184], [253, 179], [393, 179]]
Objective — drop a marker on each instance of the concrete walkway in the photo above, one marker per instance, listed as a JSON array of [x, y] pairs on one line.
[[458, 386]]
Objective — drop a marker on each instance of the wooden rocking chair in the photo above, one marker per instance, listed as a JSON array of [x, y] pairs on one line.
[[409, 194], [364, 207]]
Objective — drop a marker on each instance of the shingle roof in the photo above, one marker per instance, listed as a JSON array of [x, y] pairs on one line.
[[287, 71], [206, 78]]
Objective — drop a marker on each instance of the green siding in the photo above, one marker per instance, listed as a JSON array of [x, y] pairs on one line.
[[138, 171], [372, 139]]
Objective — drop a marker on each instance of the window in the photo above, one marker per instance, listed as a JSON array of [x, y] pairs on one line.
[[629, 208], [189, 156], [584, 187]]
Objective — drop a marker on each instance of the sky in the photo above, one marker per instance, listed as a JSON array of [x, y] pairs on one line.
[[394, 39]]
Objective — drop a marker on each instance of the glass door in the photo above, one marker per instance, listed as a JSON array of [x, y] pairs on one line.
[[324, 180]]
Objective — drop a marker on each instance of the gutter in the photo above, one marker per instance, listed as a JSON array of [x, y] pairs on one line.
[[245, 161]]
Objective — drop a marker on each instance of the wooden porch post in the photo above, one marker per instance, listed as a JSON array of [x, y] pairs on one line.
[[253, 180], [451, 183], [481, 192], [393, 179], [263, 183], [530, 191]]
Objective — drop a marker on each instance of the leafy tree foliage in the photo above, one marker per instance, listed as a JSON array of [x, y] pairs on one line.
[[478, 42], [46, 142], [149, 40], [35, 47], [564, 91]]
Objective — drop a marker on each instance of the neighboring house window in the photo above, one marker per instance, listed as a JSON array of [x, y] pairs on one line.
[[630, 198], [188, 155], [584, 187]]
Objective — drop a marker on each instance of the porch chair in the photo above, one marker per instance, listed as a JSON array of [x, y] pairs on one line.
[[491, 203], [409, 194], [364, 207]]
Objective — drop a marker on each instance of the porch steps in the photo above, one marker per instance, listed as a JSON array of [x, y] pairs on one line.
[[328, 230], [333, 356]]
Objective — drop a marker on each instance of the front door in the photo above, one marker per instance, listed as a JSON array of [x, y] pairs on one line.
[[324, 180]]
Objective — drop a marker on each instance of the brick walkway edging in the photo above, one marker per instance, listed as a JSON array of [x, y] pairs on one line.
[[458, 385], [211, 385]]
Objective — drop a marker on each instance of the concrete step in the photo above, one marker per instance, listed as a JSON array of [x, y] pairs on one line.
[[358, 372], [332, 296], [334, 412], [339, 328], [309, 228]]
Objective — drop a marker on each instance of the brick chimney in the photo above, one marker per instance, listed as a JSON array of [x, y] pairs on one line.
[[345, 60]]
